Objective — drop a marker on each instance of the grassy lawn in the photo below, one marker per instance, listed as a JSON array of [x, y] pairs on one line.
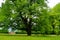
[[25, 37]]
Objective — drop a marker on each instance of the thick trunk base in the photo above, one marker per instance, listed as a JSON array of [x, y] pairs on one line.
[[28, 30]]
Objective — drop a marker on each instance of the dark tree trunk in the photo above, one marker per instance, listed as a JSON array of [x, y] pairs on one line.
[[27, 24], [28, 28]]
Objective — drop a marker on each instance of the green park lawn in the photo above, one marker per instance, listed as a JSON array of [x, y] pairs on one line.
[[25, 37]]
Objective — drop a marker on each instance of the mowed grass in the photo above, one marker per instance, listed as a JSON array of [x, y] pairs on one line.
[[25, 37]]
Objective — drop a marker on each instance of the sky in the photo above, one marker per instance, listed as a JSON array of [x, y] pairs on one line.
[[1, 2], [51, 3]]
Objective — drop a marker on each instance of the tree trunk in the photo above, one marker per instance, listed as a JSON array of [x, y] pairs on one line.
[[28, 30], [27, 24], [28, 27]]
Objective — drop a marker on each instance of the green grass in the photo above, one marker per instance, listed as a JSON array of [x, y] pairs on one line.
[[25, 37]]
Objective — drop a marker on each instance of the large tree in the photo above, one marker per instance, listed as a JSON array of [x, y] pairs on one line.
[[29, 12]]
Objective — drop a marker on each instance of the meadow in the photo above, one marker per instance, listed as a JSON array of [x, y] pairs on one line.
[[25, 37]]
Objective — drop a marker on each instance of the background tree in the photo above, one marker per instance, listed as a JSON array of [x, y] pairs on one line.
[[54, 15]]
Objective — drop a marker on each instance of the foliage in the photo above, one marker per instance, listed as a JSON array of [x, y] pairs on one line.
[[30, 15]]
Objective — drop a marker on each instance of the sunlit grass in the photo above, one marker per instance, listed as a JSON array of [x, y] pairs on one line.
[[25, 37]]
